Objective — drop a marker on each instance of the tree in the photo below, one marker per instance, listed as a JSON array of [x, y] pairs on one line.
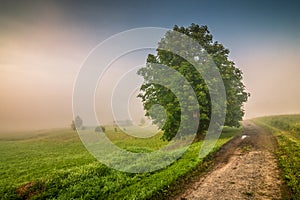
[[73, 127], [100, 129], [77, 123], [152, 94]]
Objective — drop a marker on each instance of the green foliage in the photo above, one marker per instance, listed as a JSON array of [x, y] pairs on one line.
[[55, 165], [152, 94], [285, 128]]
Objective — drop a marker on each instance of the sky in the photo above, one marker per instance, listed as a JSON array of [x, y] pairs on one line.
[[43, 45]]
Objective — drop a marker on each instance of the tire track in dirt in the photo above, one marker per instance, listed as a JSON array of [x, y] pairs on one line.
[[244, 168]]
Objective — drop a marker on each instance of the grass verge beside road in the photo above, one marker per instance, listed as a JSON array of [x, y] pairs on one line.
[[286, 128]]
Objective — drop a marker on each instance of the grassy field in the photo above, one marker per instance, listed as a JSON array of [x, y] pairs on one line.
[[286, 128], [55, 165]]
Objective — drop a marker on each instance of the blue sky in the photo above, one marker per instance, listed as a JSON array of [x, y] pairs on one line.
[[43, 43]]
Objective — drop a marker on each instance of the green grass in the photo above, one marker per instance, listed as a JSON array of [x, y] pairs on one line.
[[287, 131], [55, 165]]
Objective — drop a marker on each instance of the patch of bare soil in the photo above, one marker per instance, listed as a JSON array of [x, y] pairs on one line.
[[30, 189], [245, 168]]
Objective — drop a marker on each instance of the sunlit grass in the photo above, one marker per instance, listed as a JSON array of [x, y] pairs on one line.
[[58, 166]]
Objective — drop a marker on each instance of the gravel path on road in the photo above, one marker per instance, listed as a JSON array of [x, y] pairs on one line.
[[245, 168]]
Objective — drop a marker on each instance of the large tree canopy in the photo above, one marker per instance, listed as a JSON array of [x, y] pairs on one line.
[[152, 94]]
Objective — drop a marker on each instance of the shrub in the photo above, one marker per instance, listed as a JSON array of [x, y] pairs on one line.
[[100, 129]]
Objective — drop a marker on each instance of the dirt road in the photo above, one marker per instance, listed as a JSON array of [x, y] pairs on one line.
[[244, 169]]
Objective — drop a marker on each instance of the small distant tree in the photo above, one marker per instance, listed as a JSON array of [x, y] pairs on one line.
[[73, 127], [100, 129], [77, 123]]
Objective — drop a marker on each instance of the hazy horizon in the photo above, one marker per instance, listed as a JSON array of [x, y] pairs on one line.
[[43, 45]]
